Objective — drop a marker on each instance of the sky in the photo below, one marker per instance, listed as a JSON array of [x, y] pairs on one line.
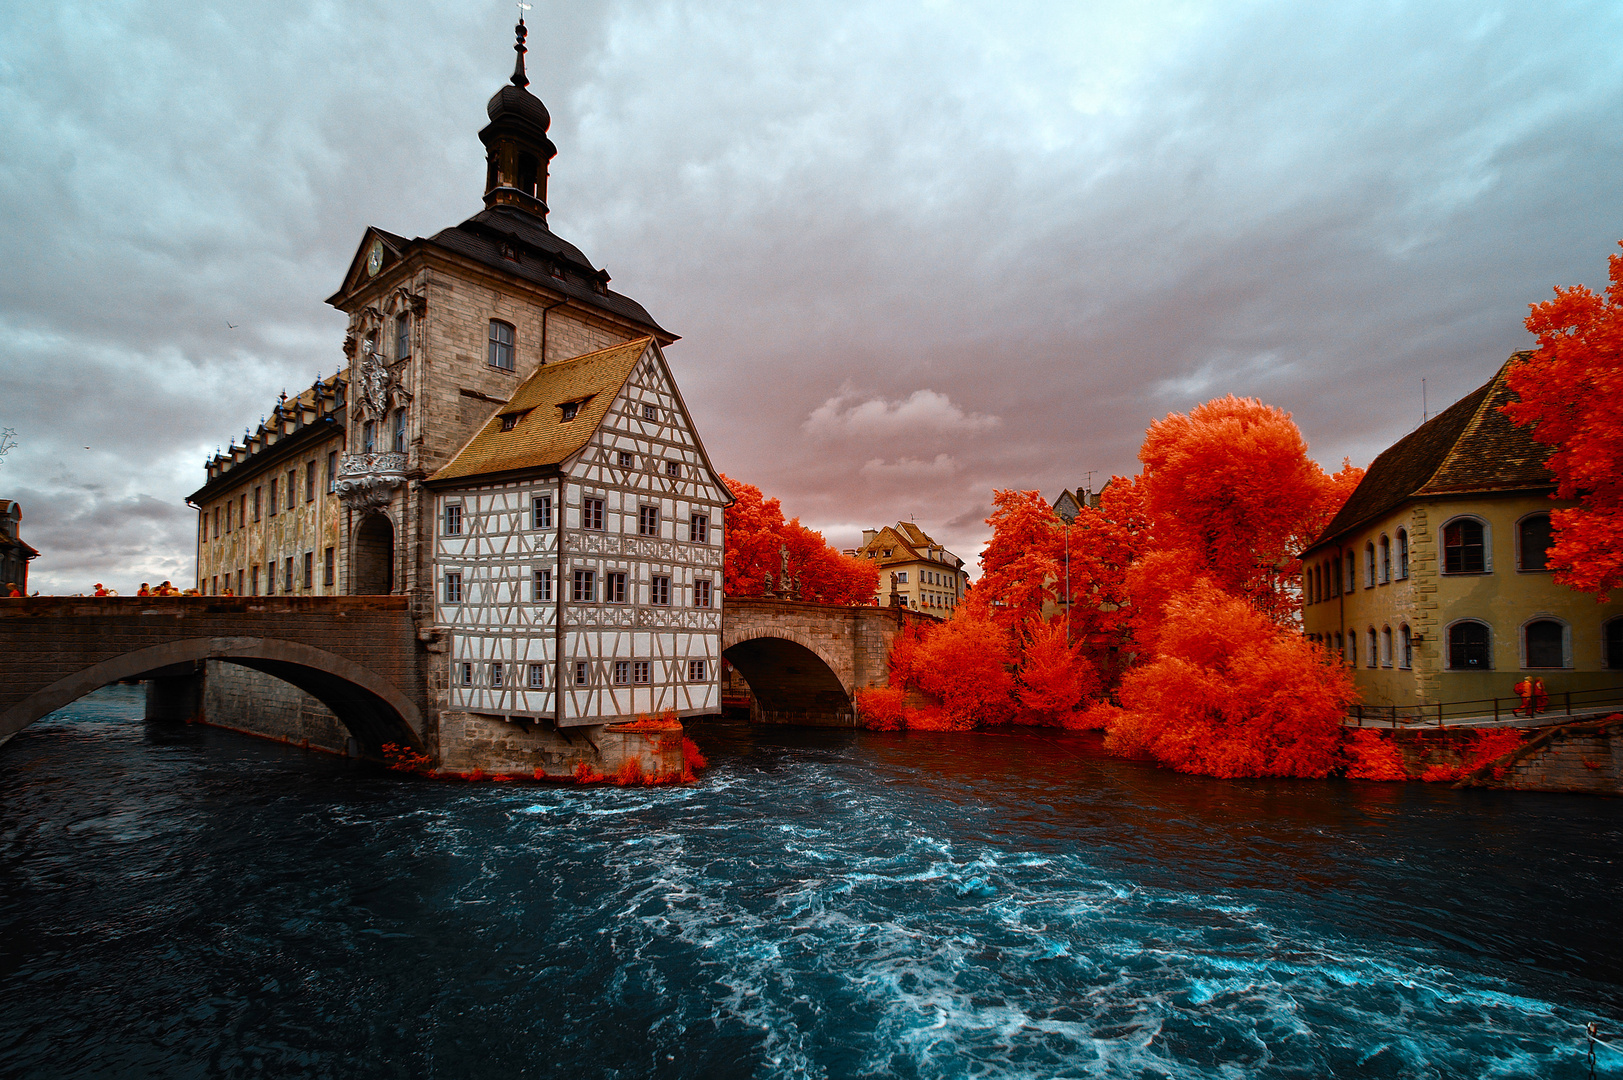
[[916, 251]]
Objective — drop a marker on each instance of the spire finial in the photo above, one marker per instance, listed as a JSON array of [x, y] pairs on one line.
[[520, 79]]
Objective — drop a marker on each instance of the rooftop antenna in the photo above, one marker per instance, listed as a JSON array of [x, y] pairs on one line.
[[1424, 413]]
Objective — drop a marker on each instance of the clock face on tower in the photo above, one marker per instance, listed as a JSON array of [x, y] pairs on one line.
[[374, 258]]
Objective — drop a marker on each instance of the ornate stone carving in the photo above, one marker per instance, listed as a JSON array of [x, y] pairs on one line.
[[367, 481]]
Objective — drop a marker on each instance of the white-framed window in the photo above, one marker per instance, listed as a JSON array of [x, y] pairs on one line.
[[1533, 539], [583, 587], [647, 521], [569, 410], [698, 670], [640, 671], [1369, 566], [1403, 554], [625, 459], [701, 592], [622, 672], [673, 468], [591, 514], [1470, 646], [901, 577], [453, 587], [699, 529], [541, 512], [541, 584], [583, 673], [1386, 559], [614, 588], [1467, 546], [464, 673], [496, 673], [659, 591], [453, 519], [1546, 643], [650, 412], [499, 353]]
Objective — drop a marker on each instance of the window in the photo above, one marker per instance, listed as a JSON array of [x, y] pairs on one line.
[[310, 481], [640, 671], [1372, 649], [292, 488], [242, 513], [510, 420], [257, 492], [582, 673], [500, 353], [1386, 560], [309, 569], [701, 593], [614, 588], [369, 437], [496, 673], [1612, 644], [453, 520], [648, 521], [398, 442], [1544, 641], [699, 529], [1347, 573], [537, 676], [1468, 647], [1533, 542], [583, 589], [625, 459], [540, 585], [1352, 648], [239, 582], [453, 588], [659, 591], [698, 670], [253, 577], [332, 479], [214, 585], [329, 568], [901, 578], [1369, 566], [1405, 647], [287, 574], [216, 523], [1464, 550], [270, 577], [402, 336], [1386, 646], [464, 672], [673, 468], [622, 671], [650, 412], [570, 409], [1403, 555], [541, 512], [591, 514]]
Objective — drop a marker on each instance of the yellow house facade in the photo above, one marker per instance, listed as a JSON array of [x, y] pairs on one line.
[[921, 573], [1432, 583]]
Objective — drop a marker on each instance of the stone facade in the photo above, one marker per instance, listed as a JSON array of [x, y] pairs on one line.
[[914, 570]]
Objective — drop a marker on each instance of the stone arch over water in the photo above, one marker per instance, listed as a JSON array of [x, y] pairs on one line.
[[792, 681]]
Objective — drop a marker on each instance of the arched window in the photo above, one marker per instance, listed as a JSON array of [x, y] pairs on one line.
[[1352, 648], [500, 354], [528, 169], [1533, 542], [1339, 647], [1347, 574], [1386, 646], [1405, 647], [1372, 650], [1544, 642], [1612, 643], [1386, 559], [1465, 549], [1369, 566], [1332, 580], [1403, 554], [1468, 646]]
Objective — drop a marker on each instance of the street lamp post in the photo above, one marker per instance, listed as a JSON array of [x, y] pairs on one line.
[[1068, 516]]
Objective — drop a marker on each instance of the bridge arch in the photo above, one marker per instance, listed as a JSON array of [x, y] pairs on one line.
[[791, 676], [373, 708]]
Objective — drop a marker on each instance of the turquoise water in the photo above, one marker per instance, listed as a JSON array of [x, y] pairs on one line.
[[181, 901]]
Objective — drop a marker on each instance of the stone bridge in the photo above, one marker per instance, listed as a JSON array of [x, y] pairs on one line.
[[366, 659]]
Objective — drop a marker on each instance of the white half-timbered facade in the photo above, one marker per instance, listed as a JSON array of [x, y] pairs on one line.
[[578, 550]]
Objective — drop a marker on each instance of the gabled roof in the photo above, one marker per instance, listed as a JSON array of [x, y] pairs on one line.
[[541, 438], [1470, 447]]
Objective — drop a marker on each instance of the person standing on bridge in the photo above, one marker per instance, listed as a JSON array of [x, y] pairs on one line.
[[1541, 697], [12, 590], [1524, 690], [144, 590], [101, 590]]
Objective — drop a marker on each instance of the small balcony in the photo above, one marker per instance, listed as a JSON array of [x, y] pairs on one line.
[[367, 481]]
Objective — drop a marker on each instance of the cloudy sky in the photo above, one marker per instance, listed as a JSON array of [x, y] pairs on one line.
[[916, 250]]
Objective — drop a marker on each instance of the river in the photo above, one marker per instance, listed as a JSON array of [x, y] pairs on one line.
[[180, 901]]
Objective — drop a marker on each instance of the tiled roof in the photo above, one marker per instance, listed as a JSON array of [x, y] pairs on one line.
[[1468, 447], [542, 437]]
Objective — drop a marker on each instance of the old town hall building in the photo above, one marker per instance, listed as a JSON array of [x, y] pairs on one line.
[[506, 445]]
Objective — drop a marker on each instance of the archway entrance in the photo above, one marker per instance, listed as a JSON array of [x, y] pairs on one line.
[[790, 684], [371, 557]]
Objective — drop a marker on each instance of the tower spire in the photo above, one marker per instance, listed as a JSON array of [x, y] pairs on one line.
[[520, 79]]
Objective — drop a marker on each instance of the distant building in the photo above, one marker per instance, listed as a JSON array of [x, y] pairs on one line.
[[1431, 582], [1070, 503], [14, 553], [924, 575]]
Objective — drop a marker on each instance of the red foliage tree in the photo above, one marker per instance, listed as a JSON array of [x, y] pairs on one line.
[[756, 537], [1571, 393], [962, 664], [1370, 757], [1054, 679], [1231, 693]]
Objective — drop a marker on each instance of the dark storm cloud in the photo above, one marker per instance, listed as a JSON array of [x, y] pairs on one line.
[[917, 252]]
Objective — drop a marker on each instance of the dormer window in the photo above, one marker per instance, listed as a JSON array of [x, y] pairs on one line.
[[571, 409], [510, 251], [510, 420]]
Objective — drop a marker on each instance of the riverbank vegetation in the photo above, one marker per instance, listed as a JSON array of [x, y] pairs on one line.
[[766, 555]]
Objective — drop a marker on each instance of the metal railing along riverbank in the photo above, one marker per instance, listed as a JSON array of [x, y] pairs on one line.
[[1495, 710]]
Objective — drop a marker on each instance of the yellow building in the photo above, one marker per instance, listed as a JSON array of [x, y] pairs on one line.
[[1431, 583], [925, 575], [268, 517]]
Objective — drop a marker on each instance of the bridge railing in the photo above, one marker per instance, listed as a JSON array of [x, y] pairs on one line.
[[1494, 709]]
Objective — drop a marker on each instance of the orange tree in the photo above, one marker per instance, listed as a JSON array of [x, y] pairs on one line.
[[1571, 393], [757, 536]]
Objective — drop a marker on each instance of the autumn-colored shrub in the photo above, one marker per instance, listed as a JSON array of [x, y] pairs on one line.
[[1370, 757], [473, 775], [692, 757], [1054, 678], [1486, 745], [963, 664], [540, 772], [630, 773], [881, 708], [404, 758], [1230, 694], [585, 774]]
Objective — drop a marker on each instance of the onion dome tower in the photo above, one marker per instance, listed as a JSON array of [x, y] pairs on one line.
[[517, 150]]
